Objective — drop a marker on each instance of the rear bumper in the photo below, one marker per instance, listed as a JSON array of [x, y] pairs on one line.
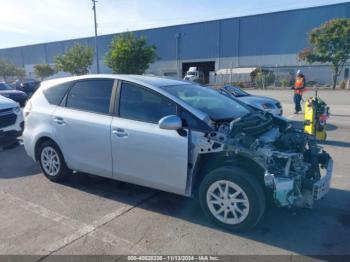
[[28, 143]]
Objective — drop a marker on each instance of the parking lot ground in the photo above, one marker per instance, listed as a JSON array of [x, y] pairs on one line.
[[91, 215]]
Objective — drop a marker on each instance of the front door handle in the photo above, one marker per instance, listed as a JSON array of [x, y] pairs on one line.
[[119, 132], [59, 120]]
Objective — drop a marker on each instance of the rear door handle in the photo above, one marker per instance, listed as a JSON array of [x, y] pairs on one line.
[[119, 132], [59, 120]]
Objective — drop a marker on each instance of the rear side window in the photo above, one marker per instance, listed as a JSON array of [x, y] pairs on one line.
[[140, 104], [55, 94], [91, 95]]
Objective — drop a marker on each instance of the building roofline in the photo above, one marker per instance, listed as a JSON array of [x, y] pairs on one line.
[[177, 25]]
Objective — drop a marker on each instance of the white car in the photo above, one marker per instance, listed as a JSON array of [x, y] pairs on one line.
[[178, 137], [11, 121]]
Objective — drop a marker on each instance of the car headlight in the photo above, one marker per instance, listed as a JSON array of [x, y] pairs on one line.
[[268, 106], [16, 109]]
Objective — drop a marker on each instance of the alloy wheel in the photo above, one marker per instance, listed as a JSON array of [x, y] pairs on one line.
[[227, 202], [50, 161]]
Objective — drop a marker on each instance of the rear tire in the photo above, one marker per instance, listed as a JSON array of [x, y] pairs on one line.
[[52, 162], [232, 198]]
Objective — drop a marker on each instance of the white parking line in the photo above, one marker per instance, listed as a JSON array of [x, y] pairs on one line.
[[81, 229]]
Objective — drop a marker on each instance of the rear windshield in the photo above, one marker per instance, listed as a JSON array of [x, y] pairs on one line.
[[208, 100], [236, 91]]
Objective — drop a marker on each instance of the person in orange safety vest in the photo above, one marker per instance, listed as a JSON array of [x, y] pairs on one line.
[[299, 86]]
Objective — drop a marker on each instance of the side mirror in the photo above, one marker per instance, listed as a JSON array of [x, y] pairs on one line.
[[171, 122]]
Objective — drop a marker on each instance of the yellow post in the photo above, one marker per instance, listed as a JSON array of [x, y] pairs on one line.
[[311, 121], [309, 117]]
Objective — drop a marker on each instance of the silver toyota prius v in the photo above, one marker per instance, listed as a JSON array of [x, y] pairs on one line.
[[178, 137]]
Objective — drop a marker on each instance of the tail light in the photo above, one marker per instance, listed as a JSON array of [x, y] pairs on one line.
[[27, 109]]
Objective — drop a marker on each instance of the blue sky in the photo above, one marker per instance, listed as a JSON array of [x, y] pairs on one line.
[[24, 22]]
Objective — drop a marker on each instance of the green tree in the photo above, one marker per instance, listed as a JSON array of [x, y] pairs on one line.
[[76, 60], [330, 43], [130, 55], [43, 70], [7, 70], [20, 72], [262, 77]]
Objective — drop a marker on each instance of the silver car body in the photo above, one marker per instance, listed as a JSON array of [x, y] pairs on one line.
[[143, 153], [111, 146]]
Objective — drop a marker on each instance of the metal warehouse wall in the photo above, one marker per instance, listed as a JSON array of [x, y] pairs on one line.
[[259, 35]]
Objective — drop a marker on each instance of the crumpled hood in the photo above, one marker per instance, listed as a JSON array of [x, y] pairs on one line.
[[6, 103], [257, 100]]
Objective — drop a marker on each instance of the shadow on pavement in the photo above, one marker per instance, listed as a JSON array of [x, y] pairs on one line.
[[302, 231], [335, 143], [300, 125], [340, 115], [331, 127], [14, 156]]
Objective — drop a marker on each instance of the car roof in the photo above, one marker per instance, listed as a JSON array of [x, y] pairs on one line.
[[155, 81]]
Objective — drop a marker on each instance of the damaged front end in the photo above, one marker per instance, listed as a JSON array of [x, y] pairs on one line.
[[297, 170]]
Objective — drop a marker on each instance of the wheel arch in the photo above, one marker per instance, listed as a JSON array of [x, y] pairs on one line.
[[39, 142], [208, 162]]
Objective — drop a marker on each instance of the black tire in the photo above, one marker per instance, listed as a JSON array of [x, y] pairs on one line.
[[63, 170], [249, 185]]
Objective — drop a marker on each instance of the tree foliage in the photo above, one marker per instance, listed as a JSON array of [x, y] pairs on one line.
[[76, 60], [330, 43], [43, 70], [262, 77], [130, 55], [10, 70]]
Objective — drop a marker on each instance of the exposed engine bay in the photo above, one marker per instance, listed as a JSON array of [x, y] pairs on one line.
[[297, 170]]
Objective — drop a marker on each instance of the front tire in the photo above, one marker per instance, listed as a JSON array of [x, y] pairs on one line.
[[52, 162], [232, 198]]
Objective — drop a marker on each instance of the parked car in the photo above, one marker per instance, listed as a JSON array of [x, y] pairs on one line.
[[268, 104], [178, 137], [11, 121], [29, 86], [16, 95]]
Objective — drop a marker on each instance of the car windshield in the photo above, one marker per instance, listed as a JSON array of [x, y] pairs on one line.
[[216, 105], [236, 91], [4, 86], [191, 73]]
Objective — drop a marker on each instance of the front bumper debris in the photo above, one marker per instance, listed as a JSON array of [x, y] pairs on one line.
[[322, 186]]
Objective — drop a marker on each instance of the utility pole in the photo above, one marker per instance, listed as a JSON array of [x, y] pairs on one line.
[[96, 45], [177, 37], [178, 53]]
